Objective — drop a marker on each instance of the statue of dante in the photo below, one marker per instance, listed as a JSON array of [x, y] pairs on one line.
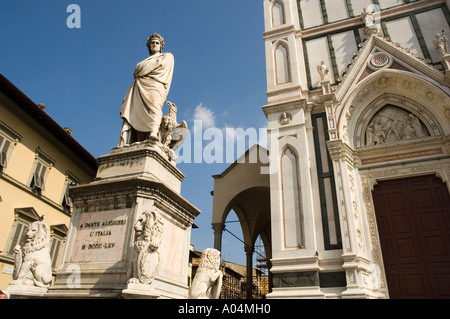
[[142, 106]]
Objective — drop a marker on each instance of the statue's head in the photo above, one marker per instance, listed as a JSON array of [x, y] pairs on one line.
[[148, 228], [155, 37], [210, 259], [37, 236]]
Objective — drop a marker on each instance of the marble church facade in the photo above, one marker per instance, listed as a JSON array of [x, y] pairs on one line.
[[358, 114]]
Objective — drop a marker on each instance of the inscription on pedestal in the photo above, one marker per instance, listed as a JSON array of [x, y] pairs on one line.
[[100, 236]]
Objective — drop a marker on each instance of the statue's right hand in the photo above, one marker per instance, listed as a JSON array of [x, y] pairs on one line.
[[17, 249]]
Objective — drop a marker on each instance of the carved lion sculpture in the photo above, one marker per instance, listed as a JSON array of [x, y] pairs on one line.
[[34, 256], [148, 231], [207, 282]]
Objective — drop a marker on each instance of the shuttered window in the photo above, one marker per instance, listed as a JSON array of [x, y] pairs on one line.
[[39, 175], [4, 148]]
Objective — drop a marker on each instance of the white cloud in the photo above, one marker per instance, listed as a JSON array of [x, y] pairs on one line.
[[205, 115]]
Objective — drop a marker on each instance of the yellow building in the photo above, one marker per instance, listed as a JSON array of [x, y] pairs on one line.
[[38, 161]]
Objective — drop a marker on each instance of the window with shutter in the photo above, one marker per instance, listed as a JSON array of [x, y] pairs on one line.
[[23, 217], [4, 148], [18, 238], [8, 139], [39, 175]]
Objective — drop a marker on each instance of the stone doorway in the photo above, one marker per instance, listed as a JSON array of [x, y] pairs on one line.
[[413, 218]]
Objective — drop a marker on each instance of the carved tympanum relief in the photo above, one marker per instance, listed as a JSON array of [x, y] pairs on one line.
[[392, 124]]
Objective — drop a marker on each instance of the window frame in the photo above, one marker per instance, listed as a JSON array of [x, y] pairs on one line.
[[23, 217], [66, 201], [58, 235], [10, 136], [41, 169]]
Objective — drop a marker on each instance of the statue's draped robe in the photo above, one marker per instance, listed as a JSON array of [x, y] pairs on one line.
[[143, 103]]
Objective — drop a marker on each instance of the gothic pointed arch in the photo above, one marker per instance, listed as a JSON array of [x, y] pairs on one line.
[[278, 13], [291, 198], [282, 62], [399, 95]]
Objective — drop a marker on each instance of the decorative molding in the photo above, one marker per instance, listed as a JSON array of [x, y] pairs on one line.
[[44, 156], [289, 106], [380, 60], [13, 134], [117, 155], [401, 156], [97, 197], [278, 31], [340, 150]]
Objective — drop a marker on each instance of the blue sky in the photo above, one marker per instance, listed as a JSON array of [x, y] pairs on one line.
[[82, 74]]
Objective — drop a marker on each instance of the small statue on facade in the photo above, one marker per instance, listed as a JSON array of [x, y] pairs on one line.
[[368, 18], [370, 25], [148, 232], [441, 44], [34, 256], [142, 106], [207, 283], [323, 71], [285, 118]]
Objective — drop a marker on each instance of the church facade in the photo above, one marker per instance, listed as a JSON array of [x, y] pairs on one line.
[[358, 127]]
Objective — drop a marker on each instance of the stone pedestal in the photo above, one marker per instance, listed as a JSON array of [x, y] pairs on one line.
[[26, 292], [371, 30], [99, 252], [140, 291], [326, 87]]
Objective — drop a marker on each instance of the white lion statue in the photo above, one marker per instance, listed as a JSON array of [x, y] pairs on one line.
[[207, 282], [34, 256], [148, 232]]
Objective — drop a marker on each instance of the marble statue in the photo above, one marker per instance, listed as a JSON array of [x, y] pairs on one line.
[[323, 71], [142, 106], [148, 231], [207, 283], [440, 43], [285, 118], [367, 16], [370, 25], [34, 256]]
